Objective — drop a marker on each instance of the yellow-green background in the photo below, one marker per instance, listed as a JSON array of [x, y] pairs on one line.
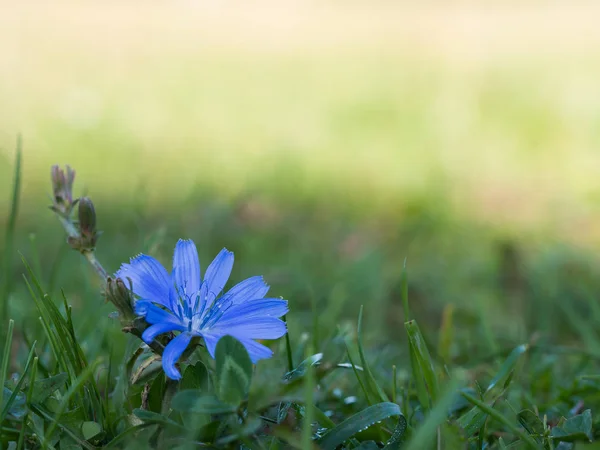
[[496, 104], [325, 141]]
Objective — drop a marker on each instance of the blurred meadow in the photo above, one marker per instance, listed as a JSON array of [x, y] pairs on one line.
[[325, 143]]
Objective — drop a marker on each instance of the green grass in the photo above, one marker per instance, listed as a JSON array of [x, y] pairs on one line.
[[504, 292]]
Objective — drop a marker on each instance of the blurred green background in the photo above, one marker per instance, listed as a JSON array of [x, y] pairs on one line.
[[324, 143]]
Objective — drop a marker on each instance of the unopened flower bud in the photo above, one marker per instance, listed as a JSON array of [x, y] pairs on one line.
[[119, 295], [62, 189], [88, 235], [87, 216]]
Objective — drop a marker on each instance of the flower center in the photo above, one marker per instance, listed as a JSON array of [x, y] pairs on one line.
[[197, 312]]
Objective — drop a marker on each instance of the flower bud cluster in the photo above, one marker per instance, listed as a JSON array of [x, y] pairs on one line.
[[88, 235], [82, 236], [62, 190]]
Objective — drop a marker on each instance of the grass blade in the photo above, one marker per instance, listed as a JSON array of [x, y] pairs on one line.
[[17, 388], [309, 409], [359, 422], [429, 429], [502, 419], [10, 231], [423, 369], [6, 358], [419, 380], [474, 420], [64, 403], [29, 398], [404, 292], [446, 334], [507, 367], [357, 375], [371, 384], [64, 344]]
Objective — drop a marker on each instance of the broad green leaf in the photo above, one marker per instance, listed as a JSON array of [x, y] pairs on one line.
[[532, 423], [359, 422], [193, 400], [156, 393], [207, 432], [251, 426], [68, 443], [17, 408], [234, 370], [368, 445], [116, 442], [6, 405], [67, 423], [90, 429], [575, 429], [73, 418], [133, 350], [155, 418], [195, 377], [44, 388]]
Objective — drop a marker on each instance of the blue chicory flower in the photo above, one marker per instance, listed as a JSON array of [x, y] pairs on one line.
[[186, 303]]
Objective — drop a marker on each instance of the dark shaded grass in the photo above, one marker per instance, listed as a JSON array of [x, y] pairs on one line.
[[503, 290]]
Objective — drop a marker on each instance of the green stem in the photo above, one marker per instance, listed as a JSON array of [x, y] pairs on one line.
[[68, 225], [73, 232], [91, 257], [137, 330], [288, 346]]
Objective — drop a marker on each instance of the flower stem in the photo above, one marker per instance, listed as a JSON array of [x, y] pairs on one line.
[[68, 225], [91, 257], [73, 232], [288, 347]]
